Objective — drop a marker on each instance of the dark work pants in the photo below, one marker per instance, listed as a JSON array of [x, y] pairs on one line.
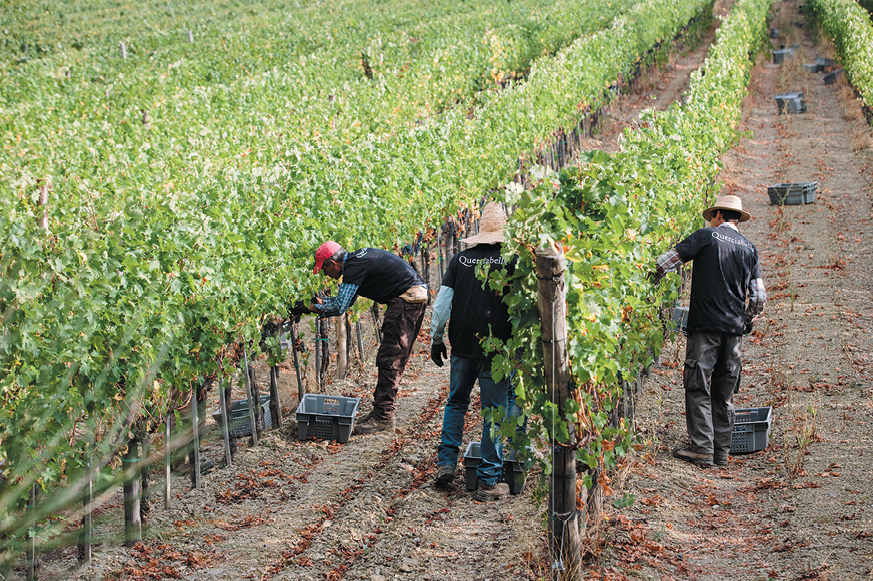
[[400, 327], [713, 367]]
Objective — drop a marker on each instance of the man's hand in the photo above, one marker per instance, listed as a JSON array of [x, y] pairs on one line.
[[438, 353], [748, 328]]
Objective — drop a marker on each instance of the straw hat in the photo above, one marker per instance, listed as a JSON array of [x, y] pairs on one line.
[[490, 226], [727, 203]]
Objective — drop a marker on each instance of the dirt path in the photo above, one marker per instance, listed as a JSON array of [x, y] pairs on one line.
[[802, 508], [367, 509]]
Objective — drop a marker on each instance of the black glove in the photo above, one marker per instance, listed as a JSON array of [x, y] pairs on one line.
[[748, 328], [438, 353]]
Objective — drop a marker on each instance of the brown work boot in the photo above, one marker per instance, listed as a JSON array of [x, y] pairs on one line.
[[445, 474], [373, 425], [487, 493], [694, 457]]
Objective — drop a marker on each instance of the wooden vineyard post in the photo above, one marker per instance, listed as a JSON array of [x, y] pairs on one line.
[[194, 451], [342, 353], [146, 464], [168, 453], [318, 354], [374, 310], [564, 536], [123, 51], [254, 402], [132, 518], [275, 402], [42, 204], [300, 391], [31, 562], [225, 422], [360, 334], [84, 547], [439, 247]]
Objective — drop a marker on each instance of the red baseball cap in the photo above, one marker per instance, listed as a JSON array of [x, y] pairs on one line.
[[324, 252]]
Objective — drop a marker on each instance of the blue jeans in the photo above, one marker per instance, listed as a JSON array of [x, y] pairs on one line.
[[464, 373]]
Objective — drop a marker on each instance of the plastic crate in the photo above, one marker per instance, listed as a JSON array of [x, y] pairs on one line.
[[751, 430], [780, 55], [831, 78], [791, 103], [326, 417], [824, 62], [513, 471], [240, 424], [792, 194], [813, 68], [774, 33]]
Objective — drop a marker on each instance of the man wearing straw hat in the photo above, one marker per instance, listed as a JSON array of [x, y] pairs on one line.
[[387, 279], [477, 312], [726, 273]]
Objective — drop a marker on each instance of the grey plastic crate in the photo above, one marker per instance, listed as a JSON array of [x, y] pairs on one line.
[[824, 62], [831, 78], [513, 471], [791, 102], [780, 55], [326, 417], [774, 32], [813, 68], [752, 428], [240, 424], [791, 194]]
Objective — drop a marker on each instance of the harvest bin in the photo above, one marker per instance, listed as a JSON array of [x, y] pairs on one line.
[[511, 468], [326, 417], [239, 416], [751, 430], [792, 194], [791, 103]]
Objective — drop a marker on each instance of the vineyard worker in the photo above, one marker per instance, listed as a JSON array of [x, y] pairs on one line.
[[476, 313], [387, 279], [725, 273]]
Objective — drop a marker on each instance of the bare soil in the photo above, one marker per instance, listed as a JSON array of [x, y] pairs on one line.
[[801, 509]]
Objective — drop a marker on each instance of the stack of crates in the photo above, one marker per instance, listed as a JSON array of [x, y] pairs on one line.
[[791, 102]]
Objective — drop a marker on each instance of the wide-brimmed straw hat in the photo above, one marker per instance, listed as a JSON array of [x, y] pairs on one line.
[[727, 203], [490, 226]]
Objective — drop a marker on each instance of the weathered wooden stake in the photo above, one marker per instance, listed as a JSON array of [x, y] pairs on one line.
[[300, 391], [167, 460], [342, 354], [275, 402], [42, 219], [225, 422], [31, 563], [318, 354], [254, 402], [132, 518], [374, 310], [144, 477], [194, 450], [123, 51], [564, 536], [190, 37], [360, 334], [84, 548]]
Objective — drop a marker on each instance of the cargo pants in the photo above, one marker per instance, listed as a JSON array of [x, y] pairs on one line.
[[713, 368], [400, 328]]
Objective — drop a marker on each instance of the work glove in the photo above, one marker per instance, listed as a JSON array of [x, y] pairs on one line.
[[438, 353], [748, 328]]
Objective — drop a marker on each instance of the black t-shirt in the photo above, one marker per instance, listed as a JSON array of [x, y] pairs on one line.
[[476, 312], [380, 275], [725, 263]]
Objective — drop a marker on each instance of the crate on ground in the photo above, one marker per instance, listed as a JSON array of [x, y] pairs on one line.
[[792, 194], [752, 428], [240, 424], [813, 68], [513, 470], [831, 78], [326, 417], [780, 55], [824, 62], [791, 102]]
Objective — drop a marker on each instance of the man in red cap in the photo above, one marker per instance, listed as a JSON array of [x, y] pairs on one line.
[[387, 279]]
